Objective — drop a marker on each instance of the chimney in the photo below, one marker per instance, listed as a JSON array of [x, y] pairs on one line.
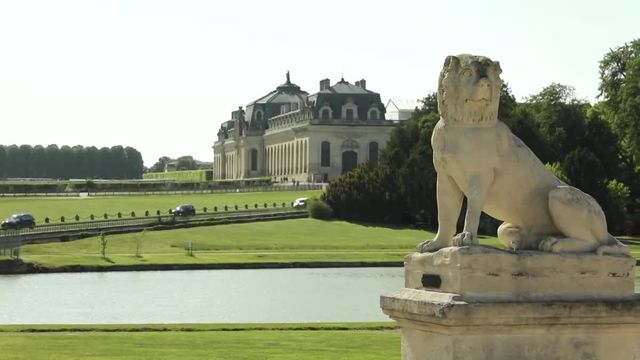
[[324, 84], [362, 83]]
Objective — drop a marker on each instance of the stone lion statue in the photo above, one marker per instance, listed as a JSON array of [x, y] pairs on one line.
[[476, 156]]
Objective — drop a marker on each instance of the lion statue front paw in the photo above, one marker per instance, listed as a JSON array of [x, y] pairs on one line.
[[464, 239]]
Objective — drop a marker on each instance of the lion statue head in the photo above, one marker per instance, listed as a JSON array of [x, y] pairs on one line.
[[469, 90]]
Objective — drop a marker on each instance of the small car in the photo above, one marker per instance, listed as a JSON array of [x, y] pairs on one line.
[[19, 221], [300, 203], [184, 210]]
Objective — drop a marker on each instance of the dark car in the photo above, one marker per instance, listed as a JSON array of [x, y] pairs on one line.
[[184, 210], [19, 221]]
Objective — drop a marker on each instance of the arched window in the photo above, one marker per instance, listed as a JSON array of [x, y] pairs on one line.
[[349, 114], [373, 153], [259, 115], [326, 113], [349, 110], [374, 114], [254, 160], [325, 154]]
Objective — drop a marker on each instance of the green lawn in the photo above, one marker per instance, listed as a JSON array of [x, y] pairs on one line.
[[264, 341], [54, 208]]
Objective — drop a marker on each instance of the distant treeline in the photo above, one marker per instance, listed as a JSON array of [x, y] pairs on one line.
[[66, 162]]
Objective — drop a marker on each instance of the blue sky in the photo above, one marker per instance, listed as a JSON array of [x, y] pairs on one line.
[[162, 75]]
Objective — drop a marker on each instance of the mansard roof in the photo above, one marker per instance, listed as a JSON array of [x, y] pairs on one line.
[[286, 92], [344, 87]]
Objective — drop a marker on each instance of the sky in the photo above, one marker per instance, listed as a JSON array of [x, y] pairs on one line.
[[161, 76]]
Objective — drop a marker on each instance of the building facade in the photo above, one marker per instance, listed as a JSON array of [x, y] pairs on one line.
[[289, 134]]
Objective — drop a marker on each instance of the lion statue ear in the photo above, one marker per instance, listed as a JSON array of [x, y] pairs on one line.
[[451, 61]]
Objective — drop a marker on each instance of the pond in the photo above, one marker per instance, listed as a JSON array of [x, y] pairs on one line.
[[199, 296]]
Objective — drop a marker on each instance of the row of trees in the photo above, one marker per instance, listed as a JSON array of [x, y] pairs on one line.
[[26, 161], [593, 147]]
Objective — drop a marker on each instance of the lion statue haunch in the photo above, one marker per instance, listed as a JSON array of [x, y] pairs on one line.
[[477, 156]]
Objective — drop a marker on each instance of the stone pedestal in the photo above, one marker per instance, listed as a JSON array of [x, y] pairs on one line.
[[483, 303]]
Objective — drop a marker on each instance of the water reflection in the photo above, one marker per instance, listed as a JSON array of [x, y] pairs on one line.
[[200, 296]]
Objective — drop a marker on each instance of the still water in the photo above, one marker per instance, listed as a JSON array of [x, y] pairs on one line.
[[199, 296]]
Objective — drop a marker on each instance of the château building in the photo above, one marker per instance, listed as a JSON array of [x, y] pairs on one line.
[[308, 138]]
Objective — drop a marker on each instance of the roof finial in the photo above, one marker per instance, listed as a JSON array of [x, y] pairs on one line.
[[288, 80]]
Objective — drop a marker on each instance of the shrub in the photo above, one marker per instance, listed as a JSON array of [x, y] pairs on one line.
[[77, 217], [105, 216], [119, 215], [204, 209], [61, 218], [319, 209], [146, 213], [133, 214], [92, 217], [46, 220]]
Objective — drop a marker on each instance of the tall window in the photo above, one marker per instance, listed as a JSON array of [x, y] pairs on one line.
[[373, 153], [254, 160], [325, 154], [259, 115]]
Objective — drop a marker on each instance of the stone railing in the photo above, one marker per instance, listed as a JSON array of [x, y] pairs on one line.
[[290, 119]]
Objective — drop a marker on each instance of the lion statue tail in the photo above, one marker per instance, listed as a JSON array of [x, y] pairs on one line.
[[613, 246]]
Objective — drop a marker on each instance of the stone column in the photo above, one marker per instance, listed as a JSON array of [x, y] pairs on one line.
[[483, 303]]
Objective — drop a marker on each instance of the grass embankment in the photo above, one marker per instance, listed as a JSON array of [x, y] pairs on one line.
[[54, 208], [300, 240], [348, 341], [288, 241]]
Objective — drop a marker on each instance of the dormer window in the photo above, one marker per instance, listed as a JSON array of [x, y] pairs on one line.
[[374, 114], [285, 108], [349, 115], [349, 111], [326, 113]]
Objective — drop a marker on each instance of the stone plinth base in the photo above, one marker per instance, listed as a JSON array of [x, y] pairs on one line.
[[479, 273], [481, 303], [437, 326]]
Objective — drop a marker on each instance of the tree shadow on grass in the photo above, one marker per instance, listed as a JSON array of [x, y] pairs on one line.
[[390, 226]]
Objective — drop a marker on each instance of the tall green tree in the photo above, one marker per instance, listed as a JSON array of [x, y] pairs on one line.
[[620, 89], [560, 118], [134, 163]]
